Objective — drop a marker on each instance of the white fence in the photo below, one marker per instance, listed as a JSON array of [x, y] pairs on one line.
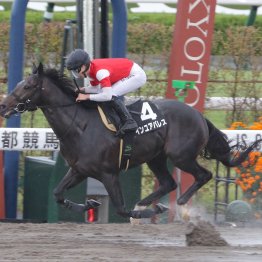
[[20, 139], [224, 2]]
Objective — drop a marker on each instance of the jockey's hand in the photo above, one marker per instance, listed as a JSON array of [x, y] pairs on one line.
[[82, 97]]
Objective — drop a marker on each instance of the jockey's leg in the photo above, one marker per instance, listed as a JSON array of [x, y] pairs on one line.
[[135, 80], [128, 124]]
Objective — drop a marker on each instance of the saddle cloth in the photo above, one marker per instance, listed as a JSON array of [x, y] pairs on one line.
[[145, 113], [148, 118]]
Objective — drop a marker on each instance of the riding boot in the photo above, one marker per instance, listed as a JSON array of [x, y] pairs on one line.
[[128, 124]]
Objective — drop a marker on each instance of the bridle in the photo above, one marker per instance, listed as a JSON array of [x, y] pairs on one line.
[[27, 105], [23, 106]]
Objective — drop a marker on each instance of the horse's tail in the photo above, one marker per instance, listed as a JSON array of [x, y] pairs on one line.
[[218, 148]]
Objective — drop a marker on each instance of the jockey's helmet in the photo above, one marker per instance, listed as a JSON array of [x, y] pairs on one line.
[[76, 59]]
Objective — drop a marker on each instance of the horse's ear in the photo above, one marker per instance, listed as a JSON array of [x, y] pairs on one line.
[[34, 69], [40, 69]]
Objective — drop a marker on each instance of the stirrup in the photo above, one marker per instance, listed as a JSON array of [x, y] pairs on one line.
[[125, 129], [129, 126]]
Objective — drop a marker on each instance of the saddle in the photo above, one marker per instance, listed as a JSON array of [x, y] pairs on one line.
[[145, 113]]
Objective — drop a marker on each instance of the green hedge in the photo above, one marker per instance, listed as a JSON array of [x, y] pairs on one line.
[[152, 27], [221, 21], [143, 38]]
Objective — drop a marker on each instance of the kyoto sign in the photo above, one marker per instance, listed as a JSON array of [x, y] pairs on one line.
[[191, 47]]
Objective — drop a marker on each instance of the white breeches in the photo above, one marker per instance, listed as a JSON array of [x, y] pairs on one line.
[[135, 80]]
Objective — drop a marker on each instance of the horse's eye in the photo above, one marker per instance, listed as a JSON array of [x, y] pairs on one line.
[[26, 87]]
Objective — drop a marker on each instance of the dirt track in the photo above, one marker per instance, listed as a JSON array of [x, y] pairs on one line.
[[121, 242]]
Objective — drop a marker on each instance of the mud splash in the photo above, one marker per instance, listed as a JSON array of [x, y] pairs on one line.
[[203, 233]]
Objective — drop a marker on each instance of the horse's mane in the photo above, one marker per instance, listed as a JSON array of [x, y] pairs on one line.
[[61, 80], [66, 85]]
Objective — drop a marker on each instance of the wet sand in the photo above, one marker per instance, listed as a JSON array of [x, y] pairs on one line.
[[69, 242]]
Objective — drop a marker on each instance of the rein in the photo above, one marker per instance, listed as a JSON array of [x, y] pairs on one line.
[[27, 106], [76, 85]]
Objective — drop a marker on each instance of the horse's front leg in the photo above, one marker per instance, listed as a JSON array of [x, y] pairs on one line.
[[71, 179], [113, 187]]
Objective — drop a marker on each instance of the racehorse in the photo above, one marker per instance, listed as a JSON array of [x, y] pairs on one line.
[[90, 148]]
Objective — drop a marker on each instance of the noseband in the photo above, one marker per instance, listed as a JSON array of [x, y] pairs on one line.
[[26, 105], [22, 107]]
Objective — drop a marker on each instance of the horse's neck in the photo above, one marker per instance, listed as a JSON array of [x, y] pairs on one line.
[[61, 111]]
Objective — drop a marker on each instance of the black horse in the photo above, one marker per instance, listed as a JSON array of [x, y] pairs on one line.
[[91, 150]]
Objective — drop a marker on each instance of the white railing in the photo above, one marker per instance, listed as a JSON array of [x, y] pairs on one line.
[[224, 2], [45, 1], [229, 103]]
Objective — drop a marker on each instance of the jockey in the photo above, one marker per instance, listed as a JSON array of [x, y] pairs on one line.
[[109, 79]]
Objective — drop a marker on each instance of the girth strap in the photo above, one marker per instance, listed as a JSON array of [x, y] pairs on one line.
[[126, 142], [126, 148]]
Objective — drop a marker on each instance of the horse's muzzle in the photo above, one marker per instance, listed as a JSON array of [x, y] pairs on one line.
[[4, 112]]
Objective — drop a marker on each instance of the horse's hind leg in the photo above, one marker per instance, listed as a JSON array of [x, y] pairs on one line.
[[201, 175], [166, 182]]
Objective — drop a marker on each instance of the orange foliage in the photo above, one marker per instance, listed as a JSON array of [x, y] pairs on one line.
[[250, 171]]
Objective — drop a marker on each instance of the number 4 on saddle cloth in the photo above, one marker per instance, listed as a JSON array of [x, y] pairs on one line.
[[148, 118]]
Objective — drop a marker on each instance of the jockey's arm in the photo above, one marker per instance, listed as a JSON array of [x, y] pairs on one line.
[[92, 89], [103, 76], [106, 92], [105, 95]]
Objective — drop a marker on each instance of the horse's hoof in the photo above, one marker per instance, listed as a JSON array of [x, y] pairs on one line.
[[139, 221], [181, 201], [74, 206], [160, 208], [135, 221], [91, 203]]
